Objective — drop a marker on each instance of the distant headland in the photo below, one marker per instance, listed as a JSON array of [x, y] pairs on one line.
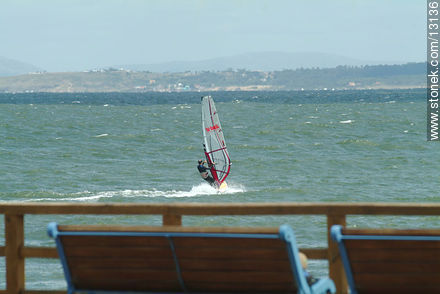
[[410, 75]]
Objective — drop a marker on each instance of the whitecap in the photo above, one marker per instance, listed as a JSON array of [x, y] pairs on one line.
[[346, 121], [202, 189], [102, 135]]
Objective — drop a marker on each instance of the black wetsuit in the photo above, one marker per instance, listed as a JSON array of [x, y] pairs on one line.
[[203, 169]]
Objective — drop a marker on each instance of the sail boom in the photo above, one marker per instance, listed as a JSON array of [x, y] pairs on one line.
[[224, 148]]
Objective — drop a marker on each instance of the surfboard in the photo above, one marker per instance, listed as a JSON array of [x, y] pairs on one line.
[[223, 187], [214, 144]]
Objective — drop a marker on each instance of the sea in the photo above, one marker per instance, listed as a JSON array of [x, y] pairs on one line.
[[285, 146]]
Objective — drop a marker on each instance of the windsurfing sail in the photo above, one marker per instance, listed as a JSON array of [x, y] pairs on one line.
[[216, 152]]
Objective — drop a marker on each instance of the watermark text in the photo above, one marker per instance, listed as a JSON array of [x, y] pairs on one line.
[[433, 102]]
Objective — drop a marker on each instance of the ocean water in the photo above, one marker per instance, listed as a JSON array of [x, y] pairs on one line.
[[345, 146]]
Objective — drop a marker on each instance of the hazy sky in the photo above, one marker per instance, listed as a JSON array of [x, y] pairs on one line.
[[62, 35]]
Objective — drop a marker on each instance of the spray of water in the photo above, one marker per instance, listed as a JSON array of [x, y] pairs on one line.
[[196, 191]]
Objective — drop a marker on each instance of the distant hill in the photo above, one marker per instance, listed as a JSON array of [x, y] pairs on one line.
[[265, 61], [410, 75], [11, 67]]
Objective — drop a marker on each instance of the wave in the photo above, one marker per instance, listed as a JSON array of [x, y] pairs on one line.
[[86, 196], [358, 142], [101, 135]]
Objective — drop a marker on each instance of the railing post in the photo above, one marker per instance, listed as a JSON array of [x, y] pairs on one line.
[[172, 220], [14, 241], [336, 269]]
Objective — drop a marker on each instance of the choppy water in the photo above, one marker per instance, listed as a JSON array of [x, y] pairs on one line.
[[285, 146]]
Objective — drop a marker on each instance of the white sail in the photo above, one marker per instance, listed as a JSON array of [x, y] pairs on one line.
[[214, 141]]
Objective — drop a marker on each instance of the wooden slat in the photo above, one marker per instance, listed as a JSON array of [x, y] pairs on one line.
[[241, 287], [42, 292], [179, 229], [242, 265], [192, 242], [387, 289], [392, 232], [14, 235], [228, 253], [50, 252], [238, 265], [280, 208], [135, 285], [390, 244], [336, 269], [397, 268], [145, 241], [127, 252], [399, 281], [395, 255], [95, 241], [221, 277], [40, 252], [171, 220], [80, 263], [138, 274], [315, 253], [233, 260]]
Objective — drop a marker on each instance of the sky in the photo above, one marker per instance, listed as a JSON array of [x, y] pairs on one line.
[[75, 35]]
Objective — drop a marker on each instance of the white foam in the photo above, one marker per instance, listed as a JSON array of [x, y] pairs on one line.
[[346, 121], [101, 135], [196, 191]]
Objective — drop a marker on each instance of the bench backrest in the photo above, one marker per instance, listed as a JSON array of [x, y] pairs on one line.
[[179, 259], [390, 261]]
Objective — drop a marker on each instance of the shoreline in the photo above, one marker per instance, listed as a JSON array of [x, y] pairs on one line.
[[113, 80], [223, 89]]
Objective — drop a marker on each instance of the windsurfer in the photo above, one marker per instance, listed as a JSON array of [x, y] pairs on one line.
[[203, 170]]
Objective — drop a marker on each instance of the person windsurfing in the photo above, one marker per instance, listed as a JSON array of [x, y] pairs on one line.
[[203, 170]]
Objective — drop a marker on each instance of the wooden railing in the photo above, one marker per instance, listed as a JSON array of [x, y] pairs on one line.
[[172, 213]]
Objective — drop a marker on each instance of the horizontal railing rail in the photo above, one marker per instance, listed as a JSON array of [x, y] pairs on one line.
[[15, 252]]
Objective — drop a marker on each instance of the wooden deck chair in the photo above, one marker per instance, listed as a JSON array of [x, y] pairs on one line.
[[182, 260], [390, 261]]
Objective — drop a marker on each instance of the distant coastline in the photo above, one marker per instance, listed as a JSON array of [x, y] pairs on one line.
[[403, 76]]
